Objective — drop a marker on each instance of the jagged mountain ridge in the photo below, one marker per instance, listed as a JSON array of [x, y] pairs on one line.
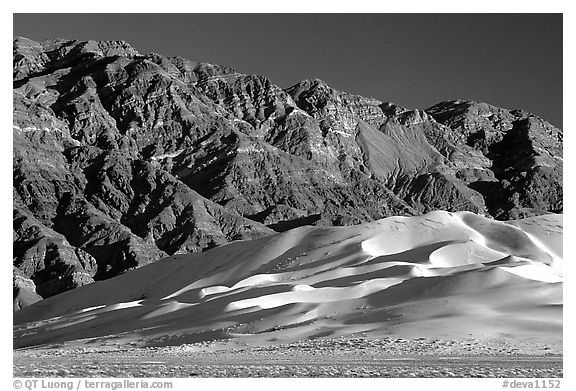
[[122, 158]]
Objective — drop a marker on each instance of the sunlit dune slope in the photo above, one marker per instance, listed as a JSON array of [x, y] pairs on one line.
[[441, 274]]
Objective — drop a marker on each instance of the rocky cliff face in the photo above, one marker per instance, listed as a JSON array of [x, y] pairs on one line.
[[122, 158]]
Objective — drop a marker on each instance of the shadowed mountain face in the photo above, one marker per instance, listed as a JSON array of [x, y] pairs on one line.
[[122, 158]]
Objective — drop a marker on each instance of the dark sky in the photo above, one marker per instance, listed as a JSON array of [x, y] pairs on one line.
[[415, 60]]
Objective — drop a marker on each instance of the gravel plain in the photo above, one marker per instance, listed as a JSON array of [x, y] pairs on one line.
[[327, 357]]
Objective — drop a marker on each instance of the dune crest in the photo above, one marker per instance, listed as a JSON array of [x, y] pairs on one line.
[[439, 274]]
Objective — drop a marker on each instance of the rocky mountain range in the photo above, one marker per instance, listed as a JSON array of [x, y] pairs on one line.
[[121, 159]]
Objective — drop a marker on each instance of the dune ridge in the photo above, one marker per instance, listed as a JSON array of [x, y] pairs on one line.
[[441, 274]]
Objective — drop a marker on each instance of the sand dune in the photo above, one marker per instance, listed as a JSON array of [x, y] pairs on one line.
[[441, 274]]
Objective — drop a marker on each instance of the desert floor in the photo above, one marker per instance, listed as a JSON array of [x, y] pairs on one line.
[[322, 357]]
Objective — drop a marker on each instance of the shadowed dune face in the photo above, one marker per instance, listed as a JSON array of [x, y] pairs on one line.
[[440, 274]]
